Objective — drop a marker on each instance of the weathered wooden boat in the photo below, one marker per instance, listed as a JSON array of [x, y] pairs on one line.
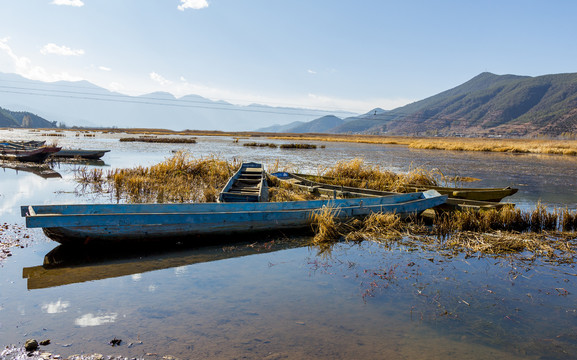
[[477, 194], [80, 153], [248, 184], [22, 144], [330, 190], [33, 155], [109, 223]]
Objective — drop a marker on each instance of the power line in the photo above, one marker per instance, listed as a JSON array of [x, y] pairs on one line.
[[178, 102]]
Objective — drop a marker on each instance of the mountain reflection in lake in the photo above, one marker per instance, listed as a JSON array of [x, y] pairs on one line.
[[276, 298]]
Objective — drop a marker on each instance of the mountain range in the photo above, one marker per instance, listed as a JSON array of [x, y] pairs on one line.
[[487, 105], [85, 104], [14, 119]]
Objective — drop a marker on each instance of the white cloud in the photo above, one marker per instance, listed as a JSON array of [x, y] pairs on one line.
[[192, 4], [60, 50], [91, 320], [76, 3], [311, 71], [104, 68], [160, 79], [22, 65], [56, 307]]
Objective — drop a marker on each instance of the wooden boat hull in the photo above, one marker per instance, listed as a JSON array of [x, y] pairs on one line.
[[476, 194], [79, 224], [330, 190], [37, 155]]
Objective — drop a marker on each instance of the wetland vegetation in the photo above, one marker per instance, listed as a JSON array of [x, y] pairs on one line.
[[184, 178]]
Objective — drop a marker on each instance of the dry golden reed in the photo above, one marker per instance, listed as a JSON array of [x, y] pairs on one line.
[[526, 146], [358, 173], [180, 178], [503, 231]]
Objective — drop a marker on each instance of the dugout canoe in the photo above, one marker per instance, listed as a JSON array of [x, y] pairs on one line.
[[248, 184], [117, 223], [334, 191], [476, 194], [80, 154]]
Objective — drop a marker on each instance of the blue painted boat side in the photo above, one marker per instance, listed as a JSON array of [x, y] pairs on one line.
[[153, 227], [149, 222], [215, 207]]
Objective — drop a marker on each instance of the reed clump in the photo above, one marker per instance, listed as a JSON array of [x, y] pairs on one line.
[[256, 144], [180, 178], [522, 146], [159, 140], [496, 232], [298, 146], [357, 173]]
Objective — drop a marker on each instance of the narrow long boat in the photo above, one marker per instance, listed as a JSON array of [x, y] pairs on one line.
[[114, 223], [477, 194], [335, 191], [22, 144], [248, 184], [80, 153]]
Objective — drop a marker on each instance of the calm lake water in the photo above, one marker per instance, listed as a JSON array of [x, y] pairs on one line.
[[276, 298]]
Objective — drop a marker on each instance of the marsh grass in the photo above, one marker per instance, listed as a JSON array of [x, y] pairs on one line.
[[357, 173], [159, 140], [298, 146], [519, 146], [496, 232], [183, 178], [180, 178], [257, 144]]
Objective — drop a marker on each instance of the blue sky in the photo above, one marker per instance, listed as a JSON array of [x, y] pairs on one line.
[[329, 54]]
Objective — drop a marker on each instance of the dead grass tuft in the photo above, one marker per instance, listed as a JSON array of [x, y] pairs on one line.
[[180, 178]]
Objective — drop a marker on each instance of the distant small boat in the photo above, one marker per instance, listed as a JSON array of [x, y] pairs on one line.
[[37, 155], [118, 223], [476, 194], [80, 153], [248, 184], [22, 144]]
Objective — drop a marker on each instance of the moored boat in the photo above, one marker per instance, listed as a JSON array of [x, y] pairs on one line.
[[476, 194], [80, 153], [30, 155], [114, 223], [321, 188]]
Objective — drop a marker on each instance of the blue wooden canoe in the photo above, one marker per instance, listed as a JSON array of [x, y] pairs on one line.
[[248, 184], [93, 223]]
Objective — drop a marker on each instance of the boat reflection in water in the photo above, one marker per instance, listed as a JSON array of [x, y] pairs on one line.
[[44, 171], [70, 264]]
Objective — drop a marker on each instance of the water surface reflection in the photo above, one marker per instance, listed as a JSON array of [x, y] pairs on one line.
[[283, 299]]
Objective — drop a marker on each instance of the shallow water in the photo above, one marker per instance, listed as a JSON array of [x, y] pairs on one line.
[[276, 298]]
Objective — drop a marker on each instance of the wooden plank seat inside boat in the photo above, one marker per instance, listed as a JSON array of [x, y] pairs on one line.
[[248, 184]]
